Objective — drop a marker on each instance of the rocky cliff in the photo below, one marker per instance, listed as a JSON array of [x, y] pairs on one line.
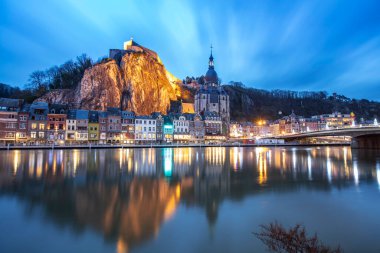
[[138, 81]]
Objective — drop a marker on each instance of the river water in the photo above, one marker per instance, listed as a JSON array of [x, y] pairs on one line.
[[186, 199]]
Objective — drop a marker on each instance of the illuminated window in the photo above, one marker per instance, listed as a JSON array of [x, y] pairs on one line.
[[9, 135]]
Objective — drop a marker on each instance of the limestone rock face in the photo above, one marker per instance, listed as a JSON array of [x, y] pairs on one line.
[[65, 96], [139, 83], [146, 84], [101, 87]]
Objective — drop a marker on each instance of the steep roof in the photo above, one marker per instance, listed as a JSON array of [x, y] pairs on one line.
[[127, 115], [10, 104], [82, 114], [93, 117], [113, 111]]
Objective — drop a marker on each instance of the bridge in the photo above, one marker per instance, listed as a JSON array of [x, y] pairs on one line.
[[362, 137]]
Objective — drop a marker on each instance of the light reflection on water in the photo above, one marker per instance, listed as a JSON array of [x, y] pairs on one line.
[[378, 172], [128, 194]]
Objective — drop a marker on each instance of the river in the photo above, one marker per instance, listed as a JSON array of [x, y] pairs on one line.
[[186, 199]]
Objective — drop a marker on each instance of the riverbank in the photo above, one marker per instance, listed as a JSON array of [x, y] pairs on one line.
[[37, 147]]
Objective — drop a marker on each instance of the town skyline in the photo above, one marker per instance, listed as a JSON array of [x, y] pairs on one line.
[[288, 47]]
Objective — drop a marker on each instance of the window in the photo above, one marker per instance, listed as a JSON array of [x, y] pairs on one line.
[[41, 134], [33, 135], [51, 126], [22, 126], [9, 135], [10, 125], [42, 126], [11, 116]]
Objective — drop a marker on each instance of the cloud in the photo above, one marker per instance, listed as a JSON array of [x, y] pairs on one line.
[[300, 45]]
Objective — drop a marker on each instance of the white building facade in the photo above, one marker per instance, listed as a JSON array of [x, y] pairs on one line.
[[145, 129]]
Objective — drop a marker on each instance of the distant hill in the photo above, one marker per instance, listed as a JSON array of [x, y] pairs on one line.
[[7, 91], [252, 104]]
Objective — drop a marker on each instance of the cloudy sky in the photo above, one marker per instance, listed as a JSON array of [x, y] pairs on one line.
[[298, 45]]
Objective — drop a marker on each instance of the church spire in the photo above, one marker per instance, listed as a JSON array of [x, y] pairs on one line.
[[211, 60]]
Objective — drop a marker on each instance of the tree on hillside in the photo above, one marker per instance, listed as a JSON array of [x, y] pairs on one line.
[[38, 83]]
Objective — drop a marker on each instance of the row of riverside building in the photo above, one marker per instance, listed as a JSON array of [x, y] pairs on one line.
[[291, 124], [42, 123]]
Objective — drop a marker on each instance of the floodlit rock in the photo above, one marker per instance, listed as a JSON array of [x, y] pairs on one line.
[[138, 81]]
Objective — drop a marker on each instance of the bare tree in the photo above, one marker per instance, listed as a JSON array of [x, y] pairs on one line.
[[295, 240], [38, 83]]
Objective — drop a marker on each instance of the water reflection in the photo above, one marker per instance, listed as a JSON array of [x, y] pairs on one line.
[[127, 194], [378, 173]]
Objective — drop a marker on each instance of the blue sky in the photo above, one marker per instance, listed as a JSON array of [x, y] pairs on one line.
[[297, 45]]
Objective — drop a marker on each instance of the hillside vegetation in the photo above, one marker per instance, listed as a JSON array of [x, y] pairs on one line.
[[252, 104]]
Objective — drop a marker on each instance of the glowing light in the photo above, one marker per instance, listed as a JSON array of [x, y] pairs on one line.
[[329, 169], [310, 176], [16, 161], [378, 173], [120, 158], [353, 123], [294, 159], [170, 207], [31, 163], [356, 172], [168, 157], [121, 246], [375, 123], [75, 160], [262, 168], [237, 158], [39, 164]]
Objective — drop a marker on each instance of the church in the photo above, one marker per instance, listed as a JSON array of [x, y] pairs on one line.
[[211, 96]]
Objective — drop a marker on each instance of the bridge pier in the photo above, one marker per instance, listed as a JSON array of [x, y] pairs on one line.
[[366, 142]]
